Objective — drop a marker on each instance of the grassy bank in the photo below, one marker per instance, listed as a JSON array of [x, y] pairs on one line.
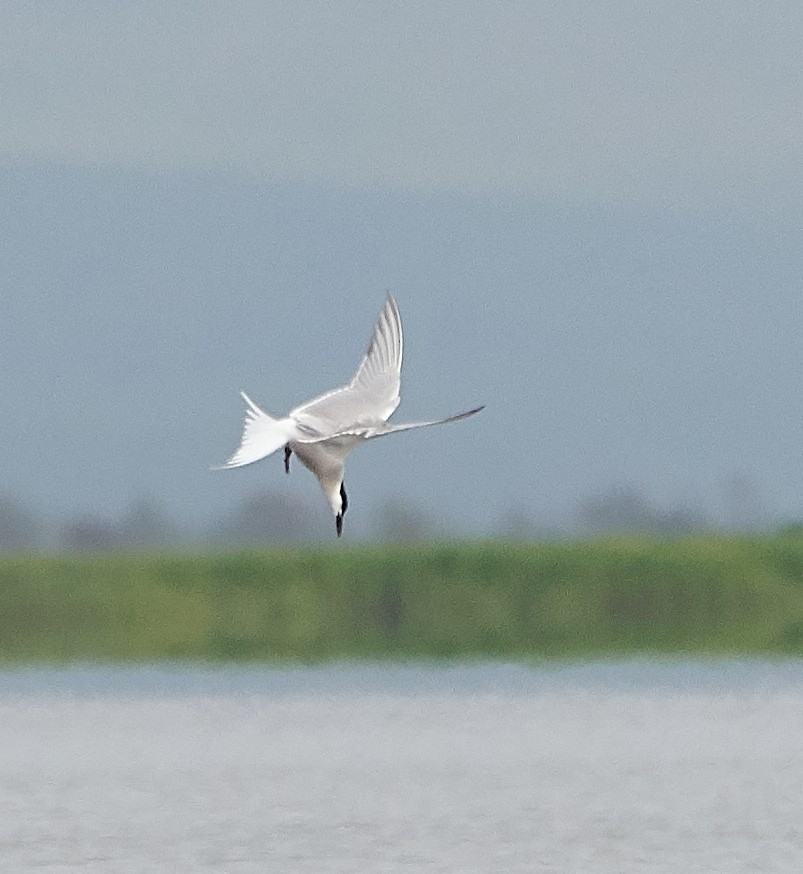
[[706, 595]]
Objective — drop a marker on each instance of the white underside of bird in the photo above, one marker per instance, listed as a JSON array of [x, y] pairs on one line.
[[323, 431]]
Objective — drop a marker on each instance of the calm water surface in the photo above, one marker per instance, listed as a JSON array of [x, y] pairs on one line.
[[604, 767]]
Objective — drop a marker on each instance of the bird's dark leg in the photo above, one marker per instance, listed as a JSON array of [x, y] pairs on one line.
[[287, 453], [344, 505]]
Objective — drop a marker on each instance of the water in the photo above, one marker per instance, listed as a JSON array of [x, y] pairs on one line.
[[635, 766]]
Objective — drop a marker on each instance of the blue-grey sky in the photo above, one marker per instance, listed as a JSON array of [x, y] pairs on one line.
[[589, 214], [671, 104]]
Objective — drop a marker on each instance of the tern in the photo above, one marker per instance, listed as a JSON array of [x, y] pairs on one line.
[[323, 431]]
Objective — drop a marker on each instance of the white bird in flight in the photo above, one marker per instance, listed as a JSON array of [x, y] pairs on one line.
[[324, 430]]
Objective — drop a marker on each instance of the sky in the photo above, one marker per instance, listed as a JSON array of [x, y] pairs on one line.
[[588, 213], [671, 104]]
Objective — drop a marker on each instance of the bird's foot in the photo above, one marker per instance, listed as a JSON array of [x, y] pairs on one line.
[[287, 453]]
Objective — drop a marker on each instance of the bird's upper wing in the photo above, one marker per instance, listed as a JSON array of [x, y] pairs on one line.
[[373, 392], [378, 378]]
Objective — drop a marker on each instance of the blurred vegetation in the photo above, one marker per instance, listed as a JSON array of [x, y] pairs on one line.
[[457, 600], [268, 517]]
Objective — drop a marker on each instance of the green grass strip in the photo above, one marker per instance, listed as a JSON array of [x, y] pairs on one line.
[[711, 595]]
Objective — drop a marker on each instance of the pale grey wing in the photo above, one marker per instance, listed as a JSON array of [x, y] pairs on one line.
[[378, 377], [368, 432], [373, 393]]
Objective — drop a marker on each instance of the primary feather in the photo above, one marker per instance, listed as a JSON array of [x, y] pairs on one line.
[[373, 392]]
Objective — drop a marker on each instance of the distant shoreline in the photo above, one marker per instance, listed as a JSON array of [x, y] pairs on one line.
[[492, 600]]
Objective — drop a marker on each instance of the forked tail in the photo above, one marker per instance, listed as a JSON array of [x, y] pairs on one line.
[[262, 435]]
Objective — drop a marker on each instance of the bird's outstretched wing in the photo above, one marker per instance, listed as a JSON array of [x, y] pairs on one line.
[[373, 392], [369, 432], [378, 378]]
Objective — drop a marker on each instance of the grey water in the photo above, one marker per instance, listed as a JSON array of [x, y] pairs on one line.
[[647, 766]]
